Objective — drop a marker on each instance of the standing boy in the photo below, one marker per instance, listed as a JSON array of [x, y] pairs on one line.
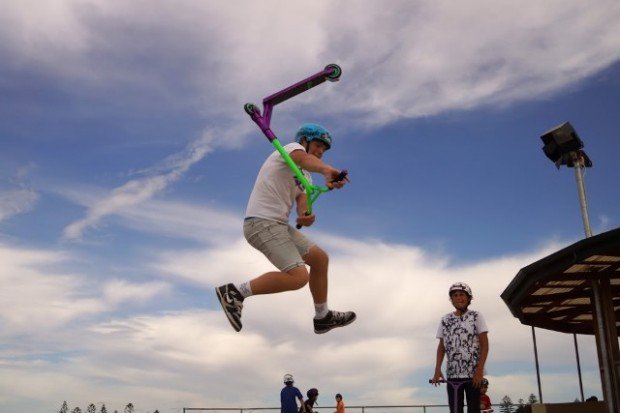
[[463, 338], [266, 228], [289, 396]]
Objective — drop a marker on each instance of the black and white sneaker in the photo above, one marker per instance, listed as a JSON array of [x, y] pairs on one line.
[[333, 319], [232, 303]]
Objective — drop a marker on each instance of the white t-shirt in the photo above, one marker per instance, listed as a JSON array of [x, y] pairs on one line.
[[275, 188], [460, 338]]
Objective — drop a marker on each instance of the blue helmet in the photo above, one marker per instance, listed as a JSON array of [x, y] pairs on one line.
[[312, 131]]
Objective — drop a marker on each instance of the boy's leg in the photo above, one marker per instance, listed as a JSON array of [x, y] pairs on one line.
[[325, 319], [473, 398], [318, 261], [277, 281], [450, 392], [231, 298], [274, 241]]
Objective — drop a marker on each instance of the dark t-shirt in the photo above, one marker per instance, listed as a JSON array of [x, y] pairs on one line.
[[288, 399]]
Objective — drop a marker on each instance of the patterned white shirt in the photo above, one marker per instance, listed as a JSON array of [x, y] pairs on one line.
[[461, 340]]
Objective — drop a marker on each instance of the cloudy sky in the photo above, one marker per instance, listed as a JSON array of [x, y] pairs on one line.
[[126, 160]]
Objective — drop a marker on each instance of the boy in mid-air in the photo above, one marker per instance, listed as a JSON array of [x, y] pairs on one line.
[[276, 191]]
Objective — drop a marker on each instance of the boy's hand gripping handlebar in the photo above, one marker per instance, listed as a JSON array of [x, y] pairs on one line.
[[332, 73], [315, 191]]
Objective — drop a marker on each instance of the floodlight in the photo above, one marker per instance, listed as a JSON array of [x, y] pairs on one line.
[[563, 146]]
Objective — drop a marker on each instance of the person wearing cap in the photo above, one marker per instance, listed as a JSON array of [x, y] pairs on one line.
[[266, 227], [464, 343], [289, 396]]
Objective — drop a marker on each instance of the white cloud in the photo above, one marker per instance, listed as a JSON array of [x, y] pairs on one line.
[[40, 294], [403, 61], [136, 191], [34, 300], [118, 292], [16, 201], [173, 219]]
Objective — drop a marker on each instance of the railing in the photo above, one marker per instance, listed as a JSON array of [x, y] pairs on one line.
[[412, 408]]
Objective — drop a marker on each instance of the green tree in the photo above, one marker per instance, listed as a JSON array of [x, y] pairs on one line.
[[64, 408], [103, 408], [532, 399], [506, 405], [129, 408], [91, 408]]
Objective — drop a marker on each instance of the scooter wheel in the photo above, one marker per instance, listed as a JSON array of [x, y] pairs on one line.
[[250, 108], [336, 72]]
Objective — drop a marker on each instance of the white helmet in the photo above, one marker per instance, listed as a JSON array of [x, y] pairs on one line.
[[460, 287], [288, 378]]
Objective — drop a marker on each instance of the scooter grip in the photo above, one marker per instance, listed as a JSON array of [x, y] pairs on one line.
[[298, 226], [342, 175]]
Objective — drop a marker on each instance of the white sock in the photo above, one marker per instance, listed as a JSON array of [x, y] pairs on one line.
[[321, 310], [245, 289]]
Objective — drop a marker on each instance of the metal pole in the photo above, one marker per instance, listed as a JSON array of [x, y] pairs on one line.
[[581, 188], [578, 165], [604, 353], [540, 397], [578, 367]]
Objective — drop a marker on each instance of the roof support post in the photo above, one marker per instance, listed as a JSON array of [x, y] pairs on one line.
[[607, 342]]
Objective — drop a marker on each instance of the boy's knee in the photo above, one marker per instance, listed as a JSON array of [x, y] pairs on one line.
[[316, 256], [300, 282], [299, 277]]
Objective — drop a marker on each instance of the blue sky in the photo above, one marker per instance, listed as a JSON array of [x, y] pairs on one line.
[[126, 160]]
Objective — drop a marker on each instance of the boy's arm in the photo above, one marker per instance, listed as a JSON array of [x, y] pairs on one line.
[[313, 164], [484, 351], [441, 351], [302, 206]]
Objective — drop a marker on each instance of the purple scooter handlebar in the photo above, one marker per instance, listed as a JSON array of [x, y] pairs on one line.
[[331, 72]]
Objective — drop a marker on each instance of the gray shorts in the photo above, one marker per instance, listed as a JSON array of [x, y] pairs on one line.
[[282, 244]]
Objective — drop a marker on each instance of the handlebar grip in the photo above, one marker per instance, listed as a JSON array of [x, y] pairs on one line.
[[341, 176], [298, 226]]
